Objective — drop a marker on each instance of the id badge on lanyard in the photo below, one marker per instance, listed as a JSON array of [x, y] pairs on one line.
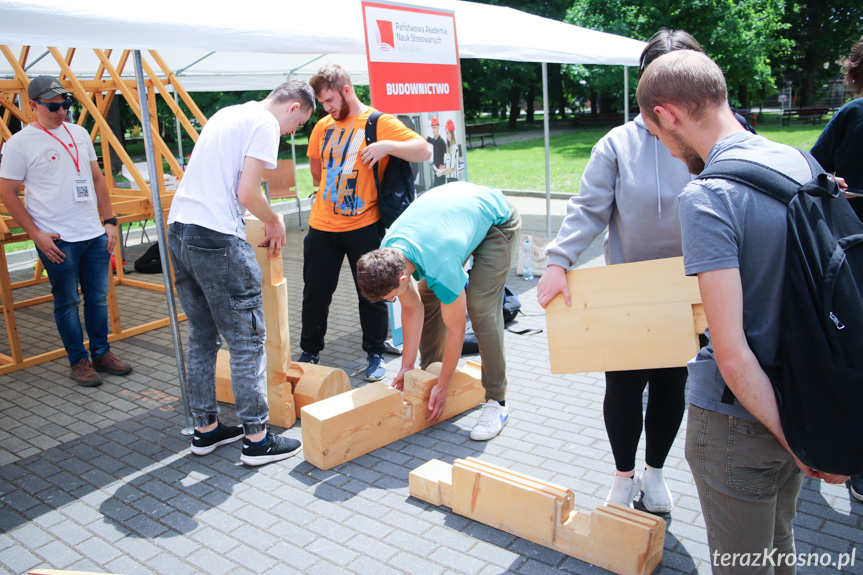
[[81, 189]]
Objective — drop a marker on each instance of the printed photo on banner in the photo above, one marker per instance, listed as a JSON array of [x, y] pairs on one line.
[[444, 131]]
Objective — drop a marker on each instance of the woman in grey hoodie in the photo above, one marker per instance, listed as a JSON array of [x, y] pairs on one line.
[[630, 186]]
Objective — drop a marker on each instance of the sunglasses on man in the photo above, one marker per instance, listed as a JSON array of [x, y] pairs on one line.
[[54, 106]]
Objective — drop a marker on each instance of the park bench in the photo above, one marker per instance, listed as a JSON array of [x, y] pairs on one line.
[[481, 131], [602, 118], [813, 113]]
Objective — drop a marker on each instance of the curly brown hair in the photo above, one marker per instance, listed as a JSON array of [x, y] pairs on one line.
[[330, 77], [378, 272], [854, 67]]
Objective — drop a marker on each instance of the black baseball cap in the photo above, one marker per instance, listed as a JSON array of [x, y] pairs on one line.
[[45, 88]]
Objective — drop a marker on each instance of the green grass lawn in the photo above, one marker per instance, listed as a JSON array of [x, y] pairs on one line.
[[521, 165]]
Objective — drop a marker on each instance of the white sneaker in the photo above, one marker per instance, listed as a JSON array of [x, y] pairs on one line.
[[657, 497], [624, 490], [492, 419]]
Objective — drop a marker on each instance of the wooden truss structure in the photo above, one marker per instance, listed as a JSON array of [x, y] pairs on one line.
[[96, 95]]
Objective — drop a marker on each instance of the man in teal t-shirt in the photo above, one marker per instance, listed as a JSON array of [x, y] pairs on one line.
[[421, 261]]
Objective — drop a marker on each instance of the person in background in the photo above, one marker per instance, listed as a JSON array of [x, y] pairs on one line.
[[344, 218], [67, 213], [630, 186], [839, 150], [438, 154], [453, 153]]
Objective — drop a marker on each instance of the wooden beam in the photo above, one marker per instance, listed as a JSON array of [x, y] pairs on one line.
[[105, 129], [166, 95], [302, 385], [342, 428], [172, 78], [112, 337], [9, 309], [131, 96], [642, 315], [613, 537]]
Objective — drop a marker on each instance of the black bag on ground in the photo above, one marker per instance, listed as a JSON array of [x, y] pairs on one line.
[[820, 389], [150, 262], [396, 189], [511, 307]]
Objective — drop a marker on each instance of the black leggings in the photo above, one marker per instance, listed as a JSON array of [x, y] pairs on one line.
[[623, 416]]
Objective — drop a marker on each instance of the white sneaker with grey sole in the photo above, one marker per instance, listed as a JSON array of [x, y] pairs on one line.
[[657, 496], [624, 490], [491, 421]]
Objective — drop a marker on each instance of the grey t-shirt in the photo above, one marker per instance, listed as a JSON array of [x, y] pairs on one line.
[[729, 225]]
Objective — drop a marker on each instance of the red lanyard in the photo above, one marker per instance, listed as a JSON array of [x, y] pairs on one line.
[[77, 155]]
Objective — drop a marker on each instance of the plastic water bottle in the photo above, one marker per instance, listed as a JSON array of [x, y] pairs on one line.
[[527, 271]]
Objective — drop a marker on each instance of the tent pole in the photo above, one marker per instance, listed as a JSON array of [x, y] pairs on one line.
[[547, 146], [179, 133], [160, 232], [625, 94]]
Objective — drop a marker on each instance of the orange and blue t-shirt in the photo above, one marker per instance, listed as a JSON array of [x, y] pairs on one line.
[[347, 197]]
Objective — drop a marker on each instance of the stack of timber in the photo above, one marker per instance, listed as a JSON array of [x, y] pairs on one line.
[[290, 386], [341, 428], [617, 538]]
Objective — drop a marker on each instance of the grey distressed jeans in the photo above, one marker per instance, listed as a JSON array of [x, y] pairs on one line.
[[748, 487], [491, 263], [218, 282]]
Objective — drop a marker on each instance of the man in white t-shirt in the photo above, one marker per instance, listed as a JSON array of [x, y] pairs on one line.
[[65, 193], [218, 279]]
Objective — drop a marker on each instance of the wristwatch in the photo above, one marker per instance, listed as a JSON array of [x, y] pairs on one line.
[[112, 220]]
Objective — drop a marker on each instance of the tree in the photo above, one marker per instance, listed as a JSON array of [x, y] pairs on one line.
[[741, 35], [822, 33], [489, 85]]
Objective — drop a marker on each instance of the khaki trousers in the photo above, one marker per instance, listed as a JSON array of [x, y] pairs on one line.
[[491, 263]]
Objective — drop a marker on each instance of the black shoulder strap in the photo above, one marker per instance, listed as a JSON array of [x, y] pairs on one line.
[[371, 138], [763, 178]]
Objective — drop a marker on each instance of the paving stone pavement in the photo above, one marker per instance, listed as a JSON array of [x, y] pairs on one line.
[[102, 479]]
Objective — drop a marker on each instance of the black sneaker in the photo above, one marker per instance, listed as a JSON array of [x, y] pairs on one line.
[[307, 357], [275, 448], [204, 444], [855, 486]]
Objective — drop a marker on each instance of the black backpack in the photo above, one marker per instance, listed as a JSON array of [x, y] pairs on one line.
[[150, 262], [396, 191], [820, 388], [511, 307]]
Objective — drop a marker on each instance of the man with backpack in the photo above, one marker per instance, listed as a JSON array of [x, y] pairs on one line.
[[734, 240], [345, 213], [421, 261]]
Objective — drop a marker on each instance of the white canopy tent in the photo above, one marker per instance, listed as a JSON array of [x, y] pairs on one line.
[[261, 43], [265, 42]]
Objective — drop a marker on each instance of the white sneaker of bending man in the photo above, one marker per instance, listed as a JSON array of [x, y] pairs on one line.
[[492, 419]]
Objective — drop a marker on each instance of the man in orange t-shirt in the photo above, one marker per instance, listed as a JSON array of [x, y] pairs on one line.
[[344, 216]]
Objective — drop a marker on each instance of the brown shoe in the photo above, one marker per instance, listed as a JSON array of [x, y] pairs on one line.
[[83, 374], [110, 364]]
